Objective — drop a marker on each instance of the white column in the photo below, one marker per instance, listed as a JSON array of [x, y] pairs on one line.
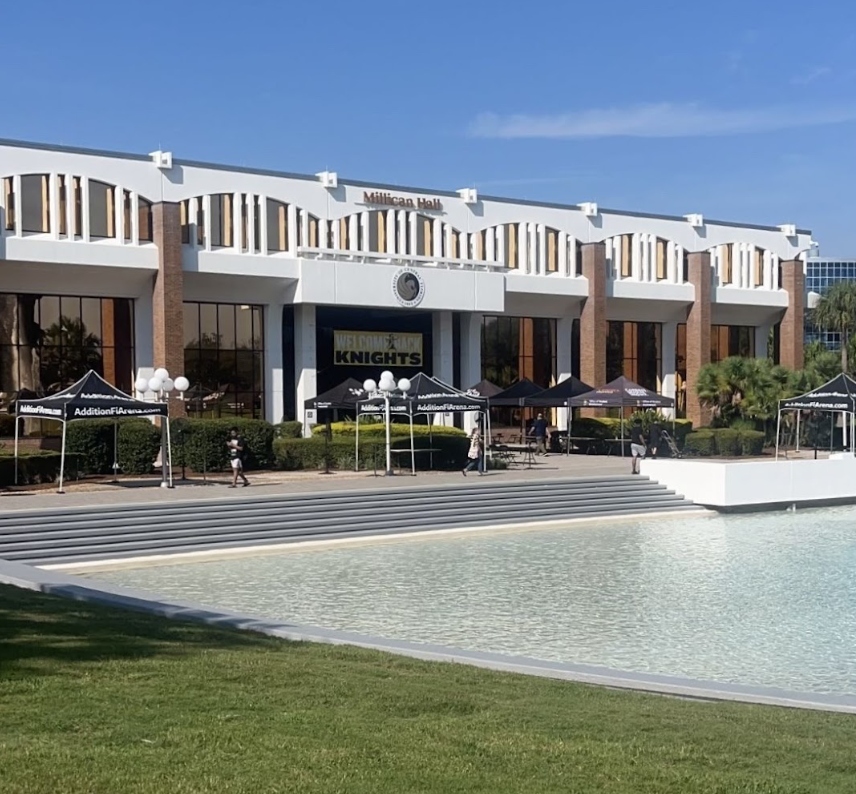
[[775, 271], [84, 208], [353, 232], [499, 234], [119, 213], [542, 249], [617, 256], [679, 264], [364, 230], [719, 270], [523, 248], [533, 249], [237, 225], [401, 247], [263, 229], [70, 213], [670, 263], [609, 256], [562, 245], [636, 257], [748, 251], [251, 223], [192, 216], [437, 239], [304, 357], [144, 352], [53, 205], [471, 372], [490, 245], [447, 231], [443, 363], [337, 234], [135, 217], [572, 256], [768, 270], [292, 229], [390, 231], [273, 363], [304, 229], [738, 266], [564, 361], [19, 204], [668, 340], [206, 220], [412, 220], [762, 336]]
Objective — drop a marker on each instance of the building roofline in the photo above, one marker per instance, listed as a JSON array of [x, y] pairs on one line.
[[376, 185]]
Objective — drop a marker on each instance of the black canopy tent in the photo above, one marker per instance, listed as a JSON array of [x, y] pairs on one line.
[[560, 396], [427, 395], [515, 396], [90, 398], [486, 390], [621, 393], [835, 396], [343, 397]]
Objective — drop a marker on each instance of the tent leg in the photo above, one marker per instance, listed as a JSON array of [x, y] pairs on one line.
[[778, 431], [430, 441], [569, 423], [16, 449], [169, 451], [357, 443], [797, 449], [62, 459], [115, 451], [412, 451], [164, 482], [622, 431]]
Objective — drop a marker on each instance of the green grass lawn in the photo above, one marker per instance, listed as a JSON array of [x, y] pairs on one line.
[[104, 701]]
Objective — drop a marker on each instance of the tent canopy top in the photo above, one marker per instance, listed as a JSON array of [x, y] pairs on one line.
[[485, 389], [517, 393], [91, 397], [558, 396], [622, 392], [345, 396], [427, 395], [838, 394]]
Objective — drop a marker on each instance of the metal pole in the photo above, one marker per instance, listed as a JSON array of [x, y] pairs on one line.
[[389, 471], [16, 444], [357, 442], [778, 431], [62, 458], [622, 431], [169, 451], [569, 423], [412, 451], [798, 432], [115, 451], [164, 482]]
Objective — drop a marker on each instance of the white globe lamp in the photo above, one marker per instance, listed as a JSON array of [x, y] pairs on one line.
[[182, 384], [161, 374], [168, 384], [404, 385], [141, 384], [387, 384], [155, 384], [386, 375], [370, 386]]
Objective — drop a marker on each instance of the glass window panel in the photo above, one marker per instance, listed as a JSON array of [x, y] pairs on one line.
[[101, 211], [258, 328], [258, 372], [226, 325], [34, 203], [244, 371], [191, 324], [49, 313], [72, 329], [49, 369], [208, 324], [144, 223], [244, 327], [91, 319]]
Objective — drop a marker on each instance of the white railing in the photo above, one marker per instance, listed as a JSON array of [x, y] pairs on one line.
[[399, 260]]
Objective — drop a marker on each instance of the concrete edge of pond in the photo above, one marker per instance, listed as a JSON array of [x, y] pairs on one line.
[[92, 591]]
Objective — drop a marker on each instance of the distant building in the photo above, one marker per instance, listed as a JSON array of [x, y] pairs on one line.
[[820, 274]]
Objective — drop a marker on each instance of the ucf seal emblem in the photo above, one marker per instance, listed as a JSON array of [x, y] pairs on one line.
[[408, 287]]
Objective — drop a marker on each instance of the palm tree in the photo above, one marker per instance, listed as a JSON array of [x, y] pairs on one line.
[[836, 311]]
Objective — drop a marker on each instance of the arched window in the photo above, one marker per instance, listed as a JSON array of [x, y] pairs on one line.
[[102, 209]]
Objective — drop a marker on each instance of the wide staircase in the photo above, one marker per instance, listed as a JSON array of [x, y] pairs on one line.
[[56, 537]]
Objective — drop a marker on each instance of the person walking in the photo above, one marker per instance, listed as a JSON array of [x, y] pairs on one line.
[[237, 448], [475, 454], [539, 430], [655, 438], [637, 445]]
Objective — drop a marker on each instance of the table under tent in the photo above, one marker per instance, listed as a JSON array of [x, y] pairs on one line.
[[622, 393], [427, 396], [836, 396], [91, 398], [560, 396], [515, 396]]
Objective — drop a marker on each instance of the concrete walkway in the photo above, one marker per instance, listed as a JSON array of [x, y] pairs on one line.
[[147, 491]]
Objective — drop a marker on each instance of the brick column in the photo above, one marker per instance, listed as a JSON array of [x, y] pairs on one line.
[[593, 327], [792, 329], [168, 295], [698, 334]]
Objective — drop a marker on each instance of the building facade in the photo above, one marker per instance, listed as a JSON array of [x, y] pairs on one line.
[[266, 288], [820, 274]]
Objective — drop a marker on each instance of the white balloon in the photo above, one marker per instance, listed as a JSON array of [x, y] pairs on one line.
[[155, 384], [141, 384], [161, 374], [369, 385], [168, 384], [182, 383], [404, 384]]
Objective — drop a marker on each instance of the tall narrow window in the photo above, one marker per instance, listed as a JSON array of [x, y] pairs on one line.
[[727, 269], [200, 222], [34, 203], [9, 201], [277, 225], [552, 250], [144, 219], [185, 226], [511, 245], [63, 205], [257, 224], [127, 212], [662, 271], [626, 256], [102, 217], [78, 208], [758, 262]]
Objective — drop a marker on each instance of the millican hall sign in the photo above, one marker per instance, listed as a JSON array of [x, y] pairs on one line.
[[405, 202]]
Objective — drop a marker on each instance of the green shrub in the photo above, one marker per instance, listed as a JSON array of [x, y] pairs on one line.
[[370, 429], [700, 442], [290, 429], [35, 466], [752, 442], [610, 427], [139, 445], [728, 443], [91, 440], [200, 444]]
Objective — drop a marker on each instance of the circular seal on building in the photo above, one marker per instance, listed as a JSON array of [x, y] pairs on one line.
[[408, 287]]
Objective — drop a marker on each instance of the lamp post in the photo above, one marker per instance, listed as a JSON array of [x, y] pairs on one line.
[[387, 388], [162, 385]]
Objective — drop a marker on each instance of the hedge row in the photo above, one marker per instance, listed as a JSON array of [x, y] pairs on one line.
[[724, 442], [200, 444], [92, 442], [293, 454], [378, 430], [35, 466]]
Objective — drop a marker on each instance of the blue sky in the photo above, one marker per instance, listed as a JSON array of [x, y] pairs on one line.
[[738, 110]]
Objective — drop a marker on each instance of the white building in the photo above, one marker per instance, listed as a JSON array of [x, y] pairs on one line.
[[264, 287]]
